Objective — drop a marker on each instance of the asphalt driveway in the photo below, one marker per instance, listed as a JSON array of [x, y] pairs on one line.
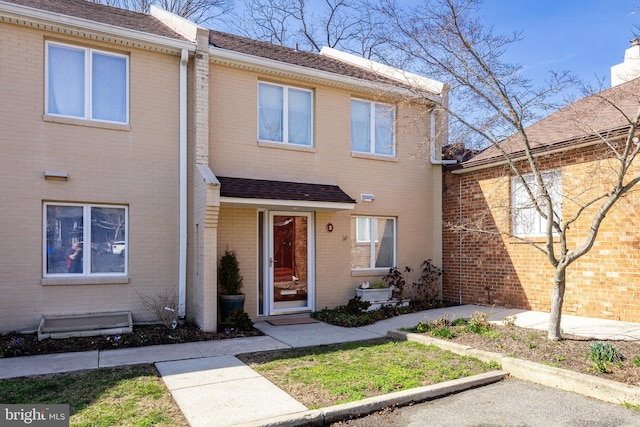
[[507, 403]]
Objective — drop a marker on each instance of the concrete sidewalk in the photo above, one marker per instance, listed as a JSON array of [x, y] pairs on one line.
[[212, 387]]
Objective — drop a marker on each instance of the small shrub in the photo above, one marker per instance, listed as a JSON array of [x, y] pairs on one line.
[[492, 334], [238, 321], [443, 332], [441, 328], [396, 281], [509, 321], [440, 322], [357, 306], [355, 313], [460, 321], [603, 354], [426, 288], [636, 361], [479, 324], [422, 327], [164, 307], [229, 278]]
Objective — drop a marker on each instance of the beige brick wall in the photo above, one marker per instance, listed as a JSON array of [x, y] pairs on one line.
[[137, 168], [605, 283], [407, 187]]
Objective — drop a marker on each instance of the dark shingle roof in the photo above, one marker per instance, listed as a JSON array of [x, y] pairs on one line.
[[104, 14], [574, 124], [296, 57], [281, 190]]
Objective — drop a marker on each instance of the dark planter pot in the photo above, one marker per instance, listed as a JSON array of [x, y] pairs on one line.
[[228, 303]]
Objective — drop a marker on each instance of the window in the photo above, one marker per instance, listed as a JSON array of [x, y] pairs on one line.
[[526, 220], [284, 114], [373, 242], [372, 128], [86, 83], [85, 239], [363, 229]]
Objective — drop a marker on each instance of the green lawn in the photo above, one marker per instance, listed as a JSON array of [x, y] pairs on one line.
[[132, 396], [317, 377], [329, 375]]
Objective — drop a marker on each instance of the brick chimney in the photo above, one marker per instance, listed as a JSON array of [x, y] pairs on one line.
[[630, 68]]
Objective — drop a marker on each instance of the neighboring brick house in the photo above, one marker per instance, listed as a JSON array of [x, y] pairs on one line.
[[501, 269], [318, 169], [89, 159]]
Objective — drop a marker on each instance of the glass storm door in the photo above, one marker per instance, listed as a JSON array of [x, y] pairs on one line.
[[291, 262]]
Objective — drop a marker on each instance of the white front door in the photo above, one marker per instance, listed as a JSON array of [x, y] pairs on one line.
[[290, 262]]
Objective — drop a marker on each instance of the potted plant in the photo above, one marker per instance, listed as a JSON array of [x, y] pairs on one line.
[[375, 291], [230, 283]]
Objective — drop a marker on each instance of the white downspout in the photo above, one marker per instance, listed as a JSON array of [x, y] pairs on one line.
[[182, 272], [432, 142]]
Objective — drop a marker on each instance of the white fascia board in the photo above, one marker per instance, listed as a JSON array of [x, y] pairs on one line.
[[88, 27], [262, 64], [424, 83], [177, 23], [300, 204]]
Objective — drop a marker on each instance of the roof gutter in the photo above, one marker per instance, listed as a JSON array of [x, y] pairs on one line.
[[265, 64], [90, 29], [298, 204], [521, 157]]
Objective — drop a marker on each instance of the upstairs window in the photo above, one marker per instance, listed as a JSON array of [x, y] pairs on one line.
[[284, 114], [86, 83], [372, 128], [525, 218]]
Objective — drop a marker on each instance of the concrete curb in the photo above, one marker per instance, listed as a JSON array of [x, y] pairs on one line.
[[562, 379], [345, 411], [405, 397]]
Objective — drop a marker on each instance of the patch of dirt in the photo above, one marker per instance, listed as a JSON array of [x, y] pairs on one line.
[[15, 345], [570, 353]]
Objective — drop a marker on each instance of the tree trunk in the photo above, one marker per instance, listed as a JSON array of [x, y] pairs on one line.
[[557, 298]]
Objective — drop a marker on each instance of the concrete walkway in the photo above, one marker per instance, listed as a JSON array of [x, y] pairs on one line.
[[213, 387]]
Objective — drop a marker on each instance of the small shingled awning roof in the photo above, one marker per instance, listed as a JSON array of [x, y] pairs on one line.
[[283, 194]]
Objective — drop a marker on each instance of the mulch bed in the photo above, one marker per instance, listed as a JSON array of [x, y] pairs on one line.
[[14, 344]]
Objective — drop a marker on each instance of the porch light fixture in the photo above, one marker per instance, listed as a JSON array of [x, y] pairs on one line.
[[366, 197]]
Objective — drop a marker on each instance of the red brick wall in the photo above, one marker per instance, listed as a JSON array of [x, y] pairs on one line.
[[487, 269]]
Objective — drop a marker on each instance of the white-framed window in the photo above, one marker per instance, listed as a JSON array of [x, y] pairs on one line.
[[373, 242], [373, 127], [86, 83], [85, 239], [363, 229], [525, 218], [285, 114]]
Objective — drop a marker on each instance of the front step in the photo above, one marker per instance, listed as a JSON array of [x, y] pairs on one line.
[[85, 325]]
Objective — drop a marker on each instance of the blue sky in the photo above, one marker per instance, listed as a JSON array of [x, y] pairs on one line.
[[586, 37]]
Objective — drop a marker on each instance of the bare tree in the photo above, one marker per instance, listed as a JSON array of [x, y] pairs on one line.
[[493, 104], [198, 11], [349, 25]]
